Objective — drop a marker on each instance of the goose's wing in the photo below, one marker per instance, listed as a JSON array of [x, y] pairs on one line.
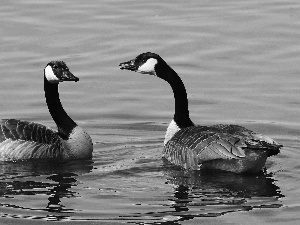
[[191, 146], [21, 140], [251, 139]]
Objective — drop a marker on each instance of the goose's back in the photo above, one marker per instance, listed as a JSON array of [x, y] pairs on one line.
[[22, 140], [196, 145]]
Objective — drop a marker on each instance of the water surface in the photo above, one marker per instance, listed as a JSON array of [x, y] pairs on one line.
[[238, 60]]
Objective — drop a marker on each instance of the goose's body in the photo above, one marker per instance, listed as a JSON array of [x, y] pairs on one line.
[[22, 140], [225, 147]]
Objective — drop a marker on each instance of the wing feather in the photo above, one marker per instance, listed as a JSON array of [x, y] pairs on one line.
[[193, 145], [21, 140]]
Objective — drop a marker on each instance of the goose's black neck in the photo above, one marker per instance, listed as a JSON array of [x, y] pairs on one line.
[[64, 123], [181, 116]]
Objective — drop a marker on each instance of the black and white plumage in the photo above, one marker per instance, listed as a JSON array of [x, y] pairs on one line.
[[22, 140], [225, 147]]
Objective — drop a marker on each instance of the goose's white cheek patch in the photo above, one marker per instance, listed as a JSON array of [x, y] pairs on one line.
[[148, 67], [50, 76]]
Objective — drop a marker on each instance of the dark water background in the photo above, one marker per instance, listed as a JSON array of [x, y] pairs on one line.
[[240, 63]]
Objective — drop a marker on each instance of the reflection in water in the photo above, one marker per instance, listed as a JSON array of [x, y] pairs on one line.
[[21, 179], [61, 190], [215, 193], [195, 194]]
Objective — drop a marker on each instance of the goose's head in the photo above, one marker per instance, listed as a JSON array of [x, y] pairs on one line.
[[145, 63], [57, 71]]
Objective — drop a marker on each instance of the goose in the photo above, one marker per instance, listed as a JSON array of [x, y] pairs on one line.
[[230, 147], [23, 140]]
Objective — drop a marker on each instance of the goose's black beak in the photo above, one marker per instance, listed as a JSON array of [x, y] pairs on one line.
[[68, 76], [128, 65]]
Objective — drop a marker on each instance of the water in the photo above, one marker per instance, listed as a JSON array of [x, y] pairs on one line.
[[239, 62]]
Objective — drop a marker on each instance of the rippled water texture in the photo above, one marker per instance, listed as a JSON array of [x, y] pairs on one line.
[[239, 61]]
